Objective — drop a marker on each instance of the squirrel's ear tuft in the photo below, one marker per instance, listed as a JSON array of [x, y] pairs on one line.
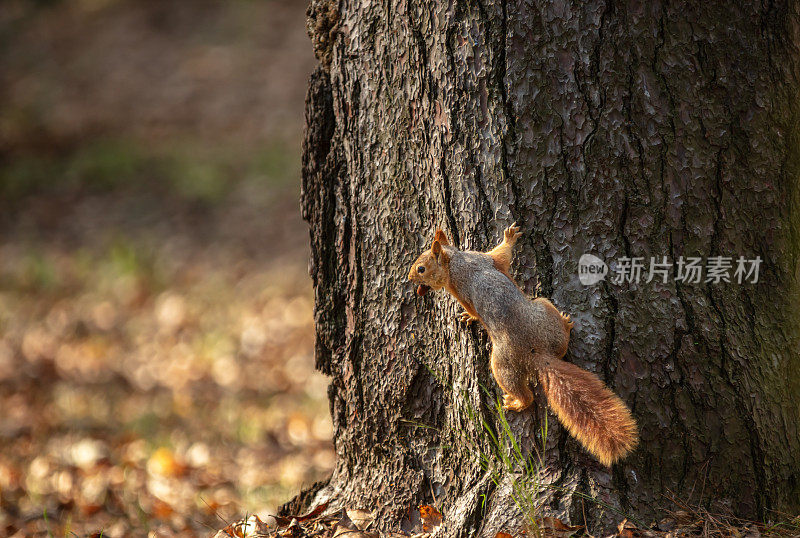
[[441, 237], [436, 248]]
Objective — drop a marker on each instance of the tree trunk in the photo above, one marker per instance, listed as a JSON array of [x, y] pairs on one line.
[[631, 129]]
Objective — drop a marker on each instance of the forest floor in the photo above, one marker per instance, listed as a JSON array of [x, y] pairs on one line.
[[681, 523], [156, 327], [154, 377]]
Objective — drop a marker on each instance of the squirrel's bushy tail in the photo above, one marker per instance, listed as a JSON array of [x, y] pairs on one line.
[[593, 414]]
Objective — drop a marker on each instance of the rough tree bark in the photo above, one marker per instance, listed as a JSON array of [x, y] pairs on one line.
[[615, 128]]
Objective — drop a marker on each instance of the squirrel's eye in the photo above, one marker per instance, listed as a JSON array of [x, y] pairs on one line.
[[420, 269]]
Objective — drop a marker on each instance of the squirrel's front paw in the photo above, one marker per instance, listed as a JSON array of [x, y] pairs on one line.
[[466, 317], [512, 233]]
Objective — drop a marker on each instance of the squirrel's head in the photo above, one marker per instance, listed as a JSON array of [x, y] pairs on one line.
[[430, 270]]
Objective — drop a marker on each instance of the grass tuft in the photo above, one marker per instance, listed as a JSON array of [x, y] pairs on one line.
[[500, 454]]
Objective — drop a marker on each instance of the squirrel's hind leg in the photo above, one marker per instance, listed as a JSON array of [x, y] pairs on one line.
[[466, 317], [517, 392]]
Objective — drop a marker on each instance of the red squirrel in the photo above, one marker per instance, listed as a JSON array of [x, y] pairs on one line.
[[529, 339]]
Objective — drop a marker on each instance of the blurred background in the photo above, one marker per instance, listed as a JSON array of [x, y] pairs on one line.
[[156, 328]]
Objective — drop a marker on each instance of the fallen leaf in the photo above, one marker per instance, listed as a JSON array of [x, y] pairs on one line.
[[555, 528], [346, 527], [625, 529], [343, 530], [86, 453], [163, 462], [282, 521], [360, 518], [431, 517], [90, 509], [313, 513], [293, 529], [254, 527], [162, 510], [231, 531]]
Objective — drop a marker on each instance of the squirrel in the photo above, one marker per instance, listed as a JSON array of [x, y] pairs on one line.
[[529, 339]]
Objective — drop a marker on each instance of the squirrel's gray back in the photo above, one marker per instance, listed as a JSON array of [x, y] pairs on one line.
[[497, 300]]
